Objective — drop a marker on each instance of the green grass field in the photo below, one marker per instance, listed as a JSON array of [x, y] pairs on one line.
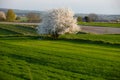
[[7, 29], [71, 57], [100, 24]]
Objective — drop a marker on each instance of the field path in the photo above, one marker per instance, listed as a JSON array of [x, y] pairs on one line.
[[100, 30], [18, 23], [89, 29]]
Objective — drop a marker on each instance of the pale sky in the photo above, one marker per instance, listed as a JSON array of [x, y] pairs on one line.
[[78, 6]]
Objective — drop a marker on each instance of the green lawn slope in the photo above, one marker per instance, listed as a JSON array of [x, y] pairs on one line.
[[8, 29], [71, 57]]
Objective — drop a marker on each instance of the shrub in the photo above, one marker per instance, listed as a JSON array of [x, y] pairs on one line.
[[87, 19], [79, 19], [33, 17]]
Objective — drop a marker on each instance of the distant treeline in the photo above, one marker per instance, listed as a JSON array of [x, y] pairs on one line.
[[14, 15], [11, 16]]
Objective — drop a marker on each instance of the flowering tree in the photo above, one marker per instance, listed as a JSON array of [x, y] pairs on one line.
[[2, 16], [58, 21]]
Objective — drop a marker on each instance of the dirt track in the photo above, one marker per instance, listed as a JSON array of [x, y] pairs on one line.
[[100, 30]]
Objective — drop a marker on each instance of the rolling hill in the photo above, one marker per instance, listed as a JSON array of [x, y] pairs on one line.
[[24, 55]]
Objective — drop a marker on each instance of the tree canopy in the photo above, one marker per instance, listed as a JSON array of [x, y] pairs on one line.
[[11, 16], [58, 21], [2, 16]]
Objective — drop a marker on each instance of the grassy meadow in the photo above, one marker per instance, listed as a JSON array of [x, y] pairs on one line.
[[24, 55]]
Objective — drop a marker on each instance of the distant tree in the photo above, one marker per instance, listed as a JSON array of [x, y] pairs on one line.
[[33, 17], [79, 19], [118, 20], [11, 16], [93, 17], [58, 21], [18, 18], [2, 16], [87, 19]]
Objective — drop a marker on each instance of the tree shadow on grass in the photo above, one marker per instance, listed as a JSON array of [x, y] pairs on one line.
[[19, 37], [76, 41], [97, 42]]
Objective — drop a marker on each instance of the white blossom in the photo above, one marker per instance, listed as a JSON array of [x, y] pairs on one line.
[[58, 21], [2, 15]]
